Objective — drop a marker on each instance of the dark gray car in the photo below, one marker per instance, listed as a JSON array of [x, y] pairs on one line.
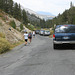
[[46, 33], [41, 32]]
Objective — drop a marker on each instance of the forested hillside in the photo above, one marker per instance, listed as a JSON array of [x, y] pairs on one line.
[[15, 10], [67, 17]]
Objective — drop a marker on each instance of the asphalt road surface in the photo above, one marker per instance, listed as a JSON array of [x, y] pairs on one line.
[[38, 58]]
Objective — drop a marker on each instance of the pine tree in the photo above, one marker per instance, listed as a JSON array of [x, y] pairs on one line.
[[1, 4], [71, 5], [21, 26], [10, 5], [24, 17], [6, 6], [19, 13], [15, 11]]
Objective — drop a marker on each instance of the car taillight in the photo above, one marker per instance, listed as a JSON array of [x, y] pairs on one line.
[[53, 35]]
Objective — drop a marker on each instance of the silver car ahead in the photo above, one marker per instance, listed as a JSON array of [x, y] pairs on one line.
[[46, 32]]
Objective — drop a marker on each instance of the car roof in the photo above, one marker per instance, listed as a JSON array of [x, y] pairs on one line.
[[42, 30], [46, 30], [65, 25]]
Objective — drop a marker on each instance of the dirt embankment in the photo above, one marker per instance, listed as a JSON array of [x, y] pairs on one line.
[[11, 34]]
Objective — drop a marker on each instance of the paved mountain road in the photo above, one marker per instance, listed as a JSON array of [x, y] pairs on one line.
[[38, 58]]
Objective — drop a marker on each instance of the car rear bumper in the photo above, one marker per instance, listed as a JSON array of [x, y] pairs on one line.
[[47, 34], [64, 42]]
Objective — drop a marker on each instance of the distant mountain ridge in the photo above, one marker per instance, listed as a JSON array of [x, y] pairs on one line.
[[45, 16], [45, 13]]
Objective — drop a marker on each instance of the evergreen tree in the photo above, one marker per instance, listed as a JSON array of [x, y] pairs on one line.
[[10, 7], [6, 6], [24, 17], [15, 11], [42, 23], [71, 5], [21, 26], [19, 13], [1, 4]]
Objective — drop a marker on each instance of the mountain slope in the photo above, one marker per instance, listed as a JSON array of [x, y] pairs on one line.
[[45, 13], [11, 34], [42, 16]]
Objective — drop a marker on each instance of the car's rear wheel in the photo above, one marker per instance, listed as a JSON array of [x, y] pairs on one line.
[[55, 46]]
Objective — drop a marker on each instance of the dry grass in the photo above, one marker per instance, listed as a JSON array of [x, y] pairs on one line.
[[51, 33], [16, 44], [4, 45], [2, 35]]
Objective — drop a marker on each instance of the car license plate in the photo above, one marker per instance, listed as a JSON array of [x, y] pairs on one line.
[[66, 37], [65, 42]]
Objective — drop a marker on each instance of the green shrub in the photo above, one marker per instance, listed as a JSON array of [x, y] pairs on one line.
[[3, 18], [12, 23], [21, 26], [31, 27], [1, 15], [4, 45], [18, 29]]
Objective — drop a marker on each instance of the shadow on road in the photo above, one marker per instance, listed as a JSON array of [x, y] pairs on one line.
[[66, 47]]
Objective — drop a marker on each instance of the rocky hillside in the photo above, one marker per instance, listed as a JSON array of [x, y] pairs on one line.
[[11, 34]]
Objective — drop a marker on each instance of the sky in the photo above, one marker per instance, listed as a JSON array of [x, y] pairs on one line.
[[53, 6]]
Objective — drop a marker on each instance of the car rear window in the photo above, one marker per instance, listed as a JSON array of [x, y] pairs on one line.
[[65, 29], [42, 30], [46, 31]]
